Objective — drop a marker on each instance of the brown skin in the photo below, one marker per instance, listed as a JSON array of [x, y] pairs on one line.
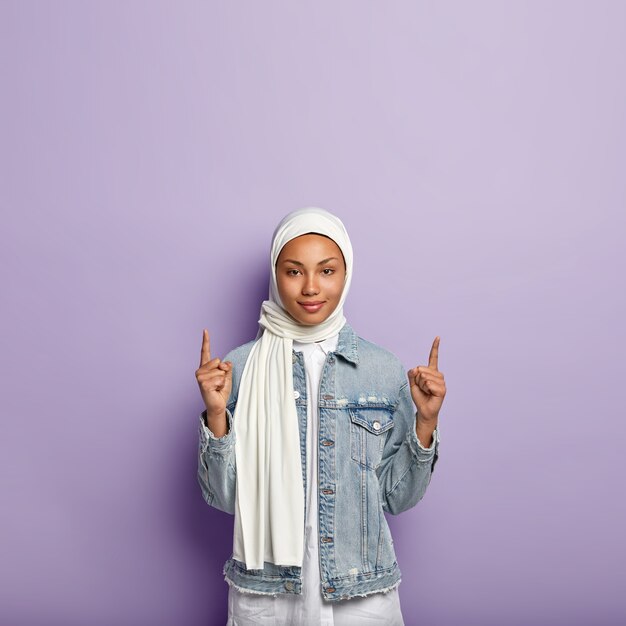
[[215, 378], [428, 390], [301, 276]]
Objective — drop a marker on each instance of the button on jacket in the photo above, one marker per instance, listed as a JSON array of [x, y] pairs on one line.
[[369, 461]]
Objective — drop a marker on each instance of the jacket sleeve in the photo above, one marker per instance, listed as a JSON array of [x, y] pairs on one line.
[[217, 469], [406, 466], [216, 465]]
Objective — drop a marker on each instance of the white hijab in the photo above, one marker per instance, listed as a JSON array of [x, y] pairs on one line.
[[269, 507]]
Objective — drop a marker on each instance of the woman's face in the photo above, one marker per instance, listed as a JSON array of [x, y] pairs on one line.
[[310, 270]]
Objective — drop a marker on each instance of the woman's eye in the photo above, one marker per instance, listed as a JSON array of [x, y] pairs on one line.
[[293, 270], [328, 269]]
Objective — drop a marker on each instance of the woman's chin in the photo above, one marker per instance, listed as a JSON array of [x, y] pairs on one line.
[[308, 320]]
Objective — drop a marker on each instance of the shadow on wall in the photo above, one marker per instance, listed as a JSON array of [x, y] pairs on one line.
[[206, 531]]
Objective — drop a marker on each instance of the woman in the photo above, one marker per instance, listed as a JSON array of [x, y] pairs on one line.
[[310, 434]]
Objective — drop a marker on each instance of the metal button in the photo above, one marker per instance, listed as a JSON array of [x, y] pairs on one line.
[[296, 394], [289, 586], [330, 589], [376, 425]]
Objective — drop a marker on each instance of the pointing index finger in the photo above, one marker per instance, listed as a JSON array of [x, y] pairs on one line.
[[205, 354], [433, 357]]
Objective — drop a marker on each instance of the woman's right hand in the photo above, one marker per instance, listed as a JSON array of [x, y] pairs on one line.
[[215, 378]]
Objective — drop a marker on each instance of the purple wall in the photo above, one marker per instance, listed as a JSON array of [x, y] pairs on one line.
[[475, 152]]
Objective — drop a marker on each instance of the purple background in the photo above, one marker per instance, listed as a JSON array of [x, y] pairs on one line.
[[475, 152]]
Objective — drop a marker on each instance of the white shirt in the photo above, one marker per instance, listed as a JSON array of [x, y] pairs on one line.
[[309, 607]]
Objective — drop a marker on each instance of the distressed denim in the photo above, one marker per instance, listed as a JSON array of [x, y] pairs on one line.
[[369, 461]]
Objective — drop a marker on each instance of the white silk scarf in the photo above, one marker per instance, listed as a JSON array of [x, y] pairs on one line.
[[269, 496]]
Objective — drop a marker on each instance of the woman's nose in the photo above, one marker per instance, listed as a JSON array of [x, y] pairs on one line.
[[310, 286]]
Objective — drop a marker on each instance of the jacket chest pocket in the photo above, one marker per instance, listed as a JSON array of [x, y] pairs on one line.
[[367, 434]]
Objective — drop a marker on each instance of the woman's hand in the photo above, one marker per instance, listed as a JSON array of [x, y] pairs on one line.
[[215, 379], [428, 387]]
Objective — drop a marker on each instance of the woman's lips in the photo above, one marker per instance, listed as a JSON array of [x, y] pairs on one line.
[[311, 307]]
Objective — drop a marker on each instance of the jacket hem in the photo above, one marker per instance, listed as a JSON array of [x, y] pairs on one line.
[[334, 589], [283, 581], [384, 590], [250, 591], [286, 582]]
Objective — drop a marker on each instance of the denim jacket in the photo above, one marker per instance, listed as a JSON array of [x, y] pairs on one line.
[[369, 461]]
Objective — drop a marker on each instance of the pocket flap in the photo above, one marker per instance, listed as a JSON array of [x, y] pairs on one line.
[[377, 421]]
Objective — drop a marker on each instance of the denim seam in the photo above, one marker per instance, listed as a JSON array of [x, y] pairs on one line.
[[369, 593], [395, 486], [380, 530], [207, 494], [248, 590], [381, 573]]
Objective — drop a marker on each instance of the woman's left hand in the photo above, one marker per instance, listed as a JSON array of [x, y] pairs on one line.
[[428, 388]]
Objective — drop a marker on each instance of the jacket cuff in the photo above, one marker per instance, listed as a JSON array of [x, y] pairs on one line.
[[419, 451], [209, 440]]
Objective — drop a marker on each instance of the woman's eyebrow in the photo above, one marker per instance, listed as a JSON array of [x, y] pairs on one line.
[[332, 258]]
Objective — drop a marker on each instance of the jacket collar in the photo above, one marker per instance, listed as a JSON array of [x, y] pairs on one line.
[[326, 345], [347, 344]]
